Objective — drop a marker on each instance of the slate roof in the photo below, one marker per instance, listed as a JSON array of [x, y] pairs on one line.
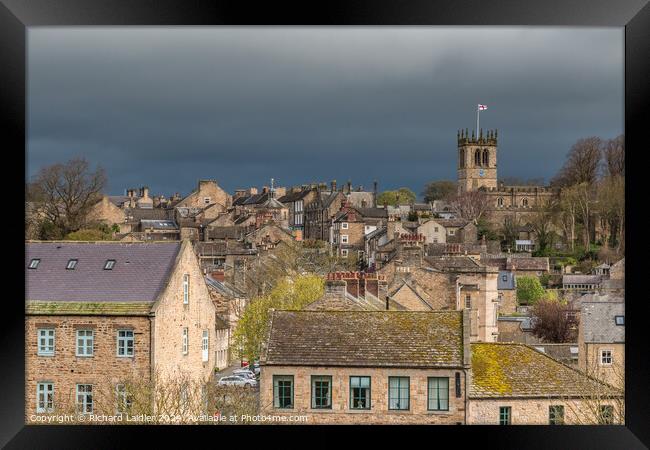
[[338, 302], [210, 248], [509, 370], [453, 223], [138, 214], [140, 272], [565, 353], [377, 213], [452, 263], [233, 232], [294, 196], [597, 320], [537, 263], [159, 224], [506, 281], [581, 279], [365, 339]]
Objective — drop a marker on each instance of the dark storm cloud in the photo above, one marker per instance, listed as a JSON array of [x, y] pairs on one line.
[[166, 106]]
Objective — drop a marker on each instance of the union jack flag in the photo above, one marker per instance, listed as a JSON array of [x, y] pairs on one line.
[[482, 107]]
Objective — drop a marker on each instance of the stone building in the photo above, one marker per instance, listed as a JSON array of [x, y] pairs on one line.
[[366, 367], [320, 212], [514, 384], [296, 200], [101, 314], [207, 193], [351, 226]]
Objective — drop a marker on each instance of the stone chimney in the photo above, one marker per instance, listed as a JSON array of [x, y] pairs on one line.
[[349, 186], [374, 194], [333, 185]]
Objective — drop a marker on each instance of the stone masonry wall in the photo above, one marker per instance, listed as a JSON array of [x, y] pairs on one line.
[[103, 370], [379, 412]]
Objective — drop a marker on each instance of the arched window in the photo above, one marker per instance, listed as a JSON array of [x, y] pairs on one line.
[[462, 157], [500, 202], [524, 202], [486, 157], [477, 158]]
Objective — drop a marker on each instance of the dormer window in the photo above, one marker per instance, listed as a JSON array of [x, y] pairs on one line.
[[619, 320], [109, 264], [33, 264], [71, 264]]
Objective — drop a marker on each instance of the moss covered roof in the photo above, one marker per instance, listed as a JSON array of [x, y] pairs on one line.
[[366, 338], [88, 308], [501, 370]]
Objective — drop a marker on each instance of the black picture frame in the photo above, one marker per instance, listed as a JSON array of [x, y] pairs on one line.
[[634, 15]]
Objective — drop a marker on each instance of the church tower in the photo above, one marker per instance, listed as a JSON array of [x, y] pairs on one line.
[[477, 160]]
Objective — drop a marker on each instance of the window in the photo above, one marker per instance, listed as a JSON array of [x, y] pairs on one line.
[[468, 301], [298, 206], [344, 253], [46, 342], [477, 158], [71, 264], [84, 398], [85, 341], [109, 264], [435, 229], [206, 200], [33, 264], [438, 394], [606, 415], [619, 320], [606, 357], [556, 415], [359, 392], [44, 397], [321, 392], [504, 277], [186, 288], [452, 232], [124, 399], [462, 157], [344, 239], [504, 415], [458, 393], [125, 342], [283, 391], [398, 393], [524, 202], [205, 345], [500, 202], [185, 340], [344, 226], [486, 157]]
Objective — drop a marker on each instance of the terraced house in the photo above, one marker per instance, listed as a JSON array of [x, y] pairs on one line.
[[100, 315]]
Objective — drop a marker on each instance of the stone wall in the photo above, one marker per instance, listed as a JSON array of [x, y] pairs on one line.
[[589, 361], [106, 212], [207, 189], [103, 370], [340, 413], [172, 315], [507, 301], [531, 411]]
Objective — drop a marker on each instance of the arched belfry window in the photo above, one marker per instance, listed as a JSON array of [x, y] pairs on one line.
[[500, 202], [477, 158], [524, 203], [462, 157], [486, 157]]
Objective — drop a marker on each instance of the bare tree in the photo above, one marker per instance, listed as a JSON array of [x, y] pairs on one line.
[[614, 156], [611, 207], [543, 222], [66, 192], [582, 163], [553, 322], [470, 205]]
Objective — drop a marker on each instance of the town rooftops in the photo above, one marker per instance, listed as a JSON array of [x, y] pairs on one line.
[[598, 320], [508, 370], [365, 339], [159, 224], [230, 232], [581, 279], [454, 263], [138, 273]]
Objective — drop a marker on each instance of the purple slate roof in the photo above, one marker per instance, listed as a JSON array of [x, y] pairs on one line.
[[140, 272]]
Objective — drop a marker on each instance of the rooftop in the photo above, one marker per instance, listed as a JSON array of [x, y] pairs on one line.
[[501, 370], [599, 324], [365, 339]]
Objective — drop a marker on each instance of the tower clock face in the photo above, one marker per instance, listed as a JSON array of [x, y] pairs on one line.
[[481, 173]]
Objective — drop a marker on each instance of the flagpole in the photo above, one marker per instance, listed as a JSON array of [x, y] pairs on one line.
[[478, 113]]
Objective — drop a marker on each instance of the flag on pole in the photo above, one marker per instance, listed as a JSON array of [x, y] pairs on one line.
[[482, 107]]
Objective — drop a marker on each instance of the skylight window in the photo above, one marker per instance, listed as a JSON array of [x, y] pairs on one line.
[[71, 264], [620, 320], [33, 264], [109, 264]]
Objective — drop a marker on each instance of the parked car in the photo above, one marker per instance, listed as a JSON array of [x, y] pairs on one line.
[[237, 381], [256, 368], [244, 373]]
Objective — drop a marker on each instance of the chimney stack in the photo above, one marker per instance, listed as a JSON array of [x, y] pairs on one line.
[[349, 186], [333, 185]]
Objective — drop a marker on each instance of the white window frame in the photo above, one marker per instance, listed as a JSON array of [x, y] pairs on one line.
[[344, 225], [33, 264], [452, 232], [50, 333], [122, 399], [186, 288], [46, 388], [205, 346], [185, 342], [344, 253], [85, 338], [602, 356], [72, 264], [123, 341], [109, 264], [84, 403], [344, 239]]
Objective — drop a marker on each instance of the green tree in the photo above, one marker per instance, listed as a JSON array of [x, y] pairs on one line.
[[289, 294], [401, 196], [529, 290], [439, 190], [89, 234]]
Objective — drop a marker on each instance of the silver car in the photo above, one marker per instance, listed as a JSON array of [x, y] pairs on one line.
[[237, 381], [245, 373]]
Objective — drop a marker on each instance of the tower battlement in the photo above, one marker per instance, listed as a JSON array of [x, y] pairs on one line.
[[464, 138]]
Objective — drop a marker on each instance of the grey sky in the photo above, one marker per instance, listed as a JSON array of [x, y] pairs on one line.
[[163, 106]]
